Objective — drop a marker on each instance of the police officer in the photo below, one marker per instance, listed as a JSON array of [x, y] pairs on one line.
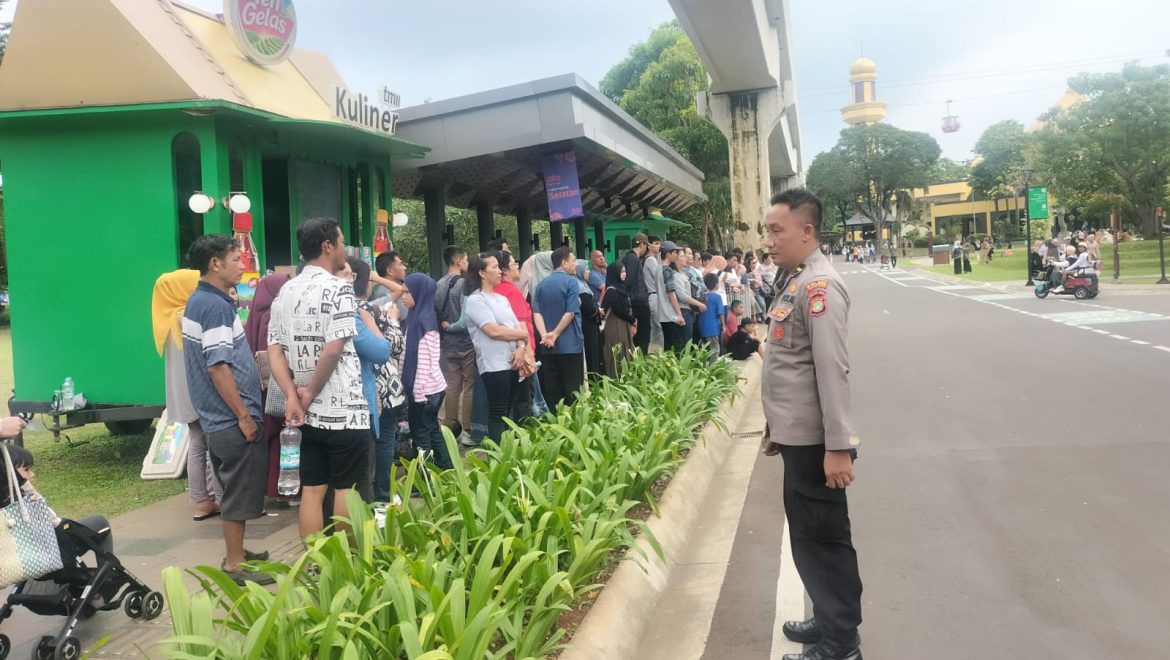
[[806, 404]]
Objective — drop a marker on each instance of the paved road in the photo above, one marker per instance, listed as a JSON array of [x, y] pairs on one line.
[[1011, 497]]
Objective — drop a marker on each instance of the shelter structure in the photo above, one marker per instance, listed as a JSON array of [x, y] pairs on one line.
[[554, 149]]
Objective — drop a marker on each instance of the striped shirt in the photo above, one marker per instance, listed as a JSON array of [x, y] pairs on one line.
[[212, 335], [428, 379]]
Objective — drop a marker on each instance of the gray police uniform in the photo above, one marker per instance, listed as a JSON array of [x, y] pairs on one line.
[[807, 406]]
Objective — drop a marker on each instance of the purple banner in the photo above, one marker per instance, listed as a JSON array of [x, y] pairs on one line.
[[560, 183]]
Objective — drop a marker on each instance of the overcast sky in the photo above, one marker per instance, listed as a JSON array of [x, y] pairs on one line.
[[997, 59]]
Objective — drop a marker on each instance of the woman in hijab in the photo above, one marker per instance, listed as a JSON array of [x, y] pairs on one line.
[[422, 372], [171, 291], [590, 320], [256, 332], [533, 272], [620, 323]]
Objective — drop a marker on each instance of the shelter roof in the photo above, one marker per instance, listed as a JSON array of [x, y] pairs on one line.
[[489, 147]]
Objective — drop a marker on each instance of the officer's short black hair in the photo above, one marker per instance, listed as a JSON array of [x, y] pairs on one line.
[[798, 199]]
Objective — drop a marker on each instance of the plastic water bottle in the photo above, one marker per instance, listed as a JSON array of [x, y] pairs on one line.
[[290, 462], [67, 394]]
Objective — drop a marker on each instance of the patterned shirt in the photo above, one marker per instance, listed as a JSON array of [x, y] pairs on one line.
[[313, 309], [213, 334]]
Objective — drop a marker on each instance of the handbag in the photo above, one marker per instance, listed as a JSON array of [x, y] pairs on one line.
[[28, 542]]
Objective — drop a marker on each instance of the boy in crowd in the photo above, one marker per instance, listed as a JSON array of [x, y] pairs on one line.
[[734, 312], [743, 343], [711, 319]]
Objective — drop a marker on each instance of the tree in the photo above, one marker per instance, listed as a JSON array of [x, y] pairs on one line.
[[947, 170], [881, 161], [832, 177], [4, 28], [656, 83], [1001, 150], [1114, 141]]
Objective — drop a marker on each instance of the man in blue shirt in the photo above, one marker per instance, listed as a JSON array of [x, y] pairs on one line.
[[562, 346], [225, 390]]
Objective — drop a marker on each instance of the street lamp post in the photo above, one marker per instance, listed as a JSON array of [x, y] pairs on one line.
[[1161, 245], [1028, 227]]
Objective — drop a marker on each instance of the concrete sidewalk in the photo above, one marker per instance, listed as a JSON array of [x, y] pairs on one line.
[[147, 541]]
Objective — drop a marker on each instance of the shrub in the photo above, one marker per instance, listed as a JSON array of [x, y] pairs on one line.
[[496, 551]]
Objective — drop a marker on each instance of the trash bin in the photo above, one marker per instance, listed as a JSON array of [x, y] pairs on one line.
[[942, 254]]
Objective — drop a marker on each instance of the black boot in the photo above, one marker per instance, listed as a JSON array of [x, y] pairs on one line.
[[805, 632], [831, 649]]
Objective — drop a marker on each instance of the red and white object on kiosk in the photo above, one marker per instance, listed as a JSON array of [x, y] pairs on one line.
[[382, 233], [246, 289]]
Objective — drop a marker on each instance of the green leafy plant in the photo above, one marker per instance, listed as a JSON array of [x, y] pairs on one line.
[[495, 551]]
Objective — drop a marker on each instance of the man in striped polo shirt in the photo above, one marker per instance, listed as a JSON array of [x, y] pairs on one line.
[[225, 389]]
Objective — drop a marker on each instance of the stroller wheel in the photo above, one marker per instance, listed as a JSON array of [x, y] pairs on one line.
[[44, 649], [133, 606], [5, 646], [152, 605], [70, 649]]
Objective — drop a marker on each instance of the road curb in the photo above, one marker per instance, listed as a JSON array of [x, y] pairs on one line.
[[618, 620]]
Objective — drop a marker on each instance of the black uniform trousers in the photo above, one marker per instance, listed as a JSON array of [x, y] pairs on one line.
[[644, 318], [561, 375], [822, 547]]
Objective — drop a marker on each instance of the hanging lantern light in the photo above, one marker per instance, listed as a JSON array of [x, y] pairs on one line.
[[200, 203], [239, 203]]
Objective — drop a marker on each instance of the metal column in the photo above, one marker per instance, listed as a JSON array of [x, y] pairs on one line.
[[556, 234], [485, 222], [599, 237], [582, 244], [435, 202], [523, 233]]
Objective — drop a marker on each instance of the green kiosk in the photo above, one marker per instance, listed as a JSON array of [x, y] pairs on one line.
[[130, 128]]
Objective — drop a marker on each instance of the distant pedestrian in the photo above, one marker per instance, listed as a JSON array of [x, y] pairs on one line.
[[639, 293], [744, 344], [458, 353]]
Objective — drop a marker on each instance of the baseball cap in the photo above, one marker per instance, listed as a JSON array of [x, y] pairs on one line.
[[669, 246]]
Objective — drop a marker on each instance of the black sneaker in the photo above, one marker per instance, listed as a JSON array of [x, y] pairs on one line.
[[255, 556]]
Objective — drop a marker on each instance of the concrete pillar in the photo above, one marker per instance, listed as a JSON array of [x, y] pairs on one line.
[[556, 234], [435, 203], [579, 233], [746, 119], [485, 222], [523, 233]]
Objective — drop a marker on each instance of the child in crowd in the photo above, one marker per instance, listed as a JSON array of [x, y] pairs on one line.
[[743, 343], [734, 314], [711, 319]]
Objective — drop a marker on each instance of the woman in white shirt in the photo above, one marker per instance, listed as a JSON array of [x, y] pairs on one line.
[[500, 341]]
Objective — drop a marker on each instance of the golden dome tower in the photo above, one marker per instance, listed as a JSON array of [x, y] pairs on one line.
[[865, 108]]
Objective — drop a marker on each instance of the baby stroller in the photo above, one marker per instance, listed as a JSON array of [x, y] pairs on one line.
[[78, 591]]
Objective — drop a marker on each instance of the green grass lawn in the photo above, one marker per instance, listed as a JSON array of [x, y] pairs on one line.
[[1139, 265], [100, 476]]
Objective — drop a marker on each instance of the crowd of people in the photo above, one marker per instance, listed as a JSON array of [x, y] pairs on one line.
[[1079, 254], [356, 357]]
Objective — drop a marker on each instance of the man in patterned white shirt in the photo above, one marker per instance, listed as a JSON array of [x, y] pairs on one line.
[[311, 353]]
